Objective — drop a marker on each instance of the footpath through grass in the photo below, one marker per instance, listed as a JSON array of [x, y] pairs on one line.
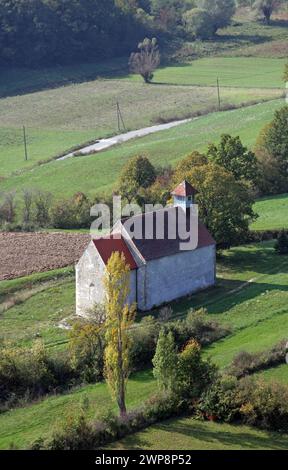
[[189, 434]]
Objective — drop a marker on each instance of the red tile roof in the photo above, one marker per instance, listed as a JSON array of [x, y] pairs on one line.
[[154, 248], [184, 189], [108, 245]]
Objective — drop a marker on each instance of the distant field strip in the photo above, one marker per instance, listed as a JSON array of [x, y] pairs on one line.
[[59, 119], [99, 172], [232, 72]]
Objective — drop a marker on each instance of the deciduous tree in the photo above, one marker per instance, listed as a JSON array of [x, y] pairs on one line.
[[220, 11], [119, 318], [266, 8], [272, 145], [232, 155], [225, 205], [146, 61], [137, 173], [165, 361]]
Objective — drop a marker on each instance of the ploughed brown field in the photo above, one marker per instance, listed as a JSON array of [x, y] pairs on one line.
[[22, 254]]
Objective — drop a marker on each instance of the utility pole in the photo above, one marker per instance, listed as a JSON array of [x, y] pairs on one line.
[[25, 143], [120, 119], [218, 93]]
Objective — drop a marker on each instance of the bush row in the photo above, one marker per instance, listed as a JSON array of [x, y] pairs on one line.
[[246, 363], [248, 401]]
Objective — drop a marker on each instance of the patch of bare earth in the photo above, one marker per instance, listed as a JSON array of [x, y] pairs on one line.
[[22, 254]]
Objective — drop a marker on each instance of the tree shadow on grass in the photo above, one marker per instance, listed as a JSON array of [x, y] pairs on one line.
[[212, 436], [58, 76], [223, 437], [227, 294]]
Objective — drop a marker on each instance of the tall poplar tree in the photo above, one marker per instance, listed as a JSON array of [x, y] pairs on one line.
[[119, 318]]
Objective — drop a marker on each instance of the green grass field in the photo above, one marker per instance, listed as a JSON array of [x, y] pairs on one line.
[[273, 213], [232, 72], [257, 313], [275, 374], [23, 425], [189, 434], [98, 173], [59, 119]]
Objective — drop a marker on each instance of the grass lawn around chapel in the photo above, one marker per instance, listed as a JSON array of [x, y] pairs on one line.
[[253, 310]]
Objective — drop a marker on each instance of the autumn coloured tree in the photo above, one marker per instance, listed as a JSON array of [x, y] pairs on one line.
[[119, 318], [225, 205]]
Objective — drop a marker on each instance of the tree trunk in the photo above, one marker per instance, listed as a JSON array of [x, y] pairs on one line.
[[121, 391], [121, 398]]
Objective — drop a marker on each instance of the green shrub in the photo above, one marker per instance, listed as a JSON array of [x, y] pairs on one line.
[[144, 339], [281, 245], [198, 23], [246, 363], [71, 213], [219, 401], [86, 348], [27, 373]]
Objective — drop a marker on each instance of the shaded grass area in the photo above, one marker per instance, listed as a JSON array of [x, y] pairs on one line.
[[14, 285], [273, 213], [98, 173], [275, 374], [23, 425], [189, 434]]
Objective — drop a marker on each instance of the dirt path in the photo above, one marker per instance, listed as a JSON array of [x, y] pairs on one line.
[[104, 144]]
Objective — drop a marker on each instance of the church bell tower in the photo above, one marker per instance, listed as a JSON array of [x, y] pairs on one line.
[[184, 195]]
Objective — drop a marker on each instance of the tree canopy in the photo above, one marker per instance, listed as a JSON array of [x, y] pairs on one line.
[[37, 32]]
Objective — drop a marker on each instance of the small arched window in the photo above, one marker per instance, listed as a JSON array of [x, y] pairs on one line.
[[91, 291]]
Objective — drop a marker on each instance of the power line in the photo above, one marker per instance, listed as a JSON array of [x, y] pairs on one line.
[[120, 119], [25, 144]]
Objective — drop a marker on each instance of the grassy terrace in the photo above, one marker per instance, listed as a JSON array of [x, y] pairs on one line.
[[98, 173], [59, 119], [243, 72]]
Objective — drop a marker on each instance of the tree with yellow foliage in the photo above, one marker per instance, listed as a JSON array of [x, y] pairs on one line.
[[119, 318]]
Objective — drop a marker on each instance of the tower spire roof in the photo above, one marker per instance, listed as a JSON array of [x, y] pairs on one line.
[[184, 189]]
